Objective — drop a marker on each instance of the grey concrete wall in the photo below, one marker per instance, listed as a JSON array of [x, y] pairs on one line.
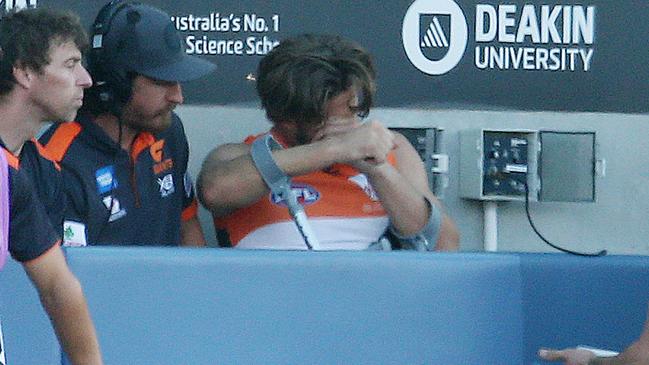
[[617, 221]]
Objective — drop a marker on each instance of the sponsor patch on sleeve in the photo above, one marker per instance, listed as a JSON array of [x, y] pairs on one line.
[[74, 234]]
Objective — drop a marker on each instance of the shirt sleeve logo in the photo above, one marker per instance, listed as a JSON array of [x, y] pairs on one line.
[[166, 185], [74, 234]]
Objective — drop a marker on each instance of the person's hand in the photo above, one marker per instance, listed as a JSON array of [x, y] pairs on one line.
[[569, 356], [363, 146]]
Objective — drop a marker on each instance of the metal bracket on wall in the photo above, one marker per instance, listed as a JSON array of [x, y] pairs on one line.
[[428, 142], [440, 163]]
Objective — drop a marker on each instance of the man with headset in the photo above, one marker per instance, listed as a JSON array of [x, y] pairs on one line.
[[41, 79], [355, 179], [124, 160]]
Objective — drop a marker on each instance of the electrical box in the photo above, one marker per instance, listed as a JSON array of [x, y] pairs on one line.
[[499, 164], [557, 166], [567, 166], [428, 143]]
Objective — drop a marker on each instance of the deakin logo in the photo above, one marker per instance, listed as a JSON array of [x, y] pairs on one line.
[[434, 35], [434, 42]]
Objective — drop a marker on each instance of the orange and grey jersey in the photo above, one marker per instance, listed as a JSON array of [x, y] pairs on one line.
[[119, 197], [30, 231], [341, 205]]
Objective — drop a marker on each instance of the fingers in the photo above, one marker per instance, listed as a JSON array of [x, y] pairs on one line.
[[367, 143], [551, 355], [373, 142], [570, 356]]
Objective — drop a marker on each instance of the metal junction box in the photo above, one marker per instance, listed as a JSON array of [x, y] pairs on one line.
[[556, 166], [497, 164]]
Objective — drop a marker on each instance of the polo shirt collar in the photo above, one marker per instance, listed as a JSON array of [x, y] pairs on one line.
[[100, 139]]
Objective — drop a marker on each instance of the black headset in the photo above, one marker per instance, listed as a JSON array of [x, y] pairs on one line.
[[112, 85]]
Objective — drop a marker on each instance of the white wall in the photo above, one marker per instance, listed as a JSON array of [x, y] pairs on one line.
[[618, 221]]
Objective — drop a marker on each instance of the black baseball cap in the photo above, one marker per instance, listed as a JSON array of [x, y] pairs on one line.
[[142, 39]]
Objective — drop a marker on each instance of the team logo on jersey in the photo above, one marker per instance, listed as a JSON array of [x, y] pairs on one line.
[[115, 209], [166, 185], [306, 195], [363, 183], [105, 179], [156, 150]]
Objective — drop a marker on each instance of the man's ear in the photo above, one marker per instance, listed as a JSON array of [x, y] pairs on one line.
[[24, 75]]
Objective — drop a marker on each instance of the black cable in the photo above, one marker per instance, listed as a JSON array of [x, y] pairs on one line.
[[529, 218]]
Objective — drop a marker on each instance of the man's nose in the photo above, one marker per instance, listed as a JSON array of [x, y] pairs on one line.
[[175, 93], [83, 78]]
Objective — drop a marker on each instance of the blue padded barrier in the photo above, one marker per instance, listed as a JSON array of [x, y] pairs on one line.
[[571, 300], [193, 306], [221, 306], [28, 336]]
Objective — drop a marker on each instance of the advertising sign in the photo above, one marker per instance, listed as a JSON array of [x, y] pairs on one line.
[[522, 55]]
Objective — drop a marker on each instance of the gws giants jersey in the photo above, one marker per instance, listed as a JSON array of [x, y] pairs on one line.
[[341, 205]]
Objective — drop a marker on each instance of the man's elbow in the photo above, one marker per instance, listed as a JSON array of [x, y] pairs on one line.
[[207, 192], [214, 197]]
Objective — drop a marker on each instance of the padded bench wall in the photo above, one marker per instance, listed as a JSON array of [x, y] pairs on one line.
[[163, 305], [230, 306], [570, 300], [28, 335]]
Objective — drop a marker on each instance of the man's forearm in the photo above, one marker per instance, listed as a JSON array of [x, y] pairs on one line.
[[225, 185], [68, 311], [191, 233], [405, 205]]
